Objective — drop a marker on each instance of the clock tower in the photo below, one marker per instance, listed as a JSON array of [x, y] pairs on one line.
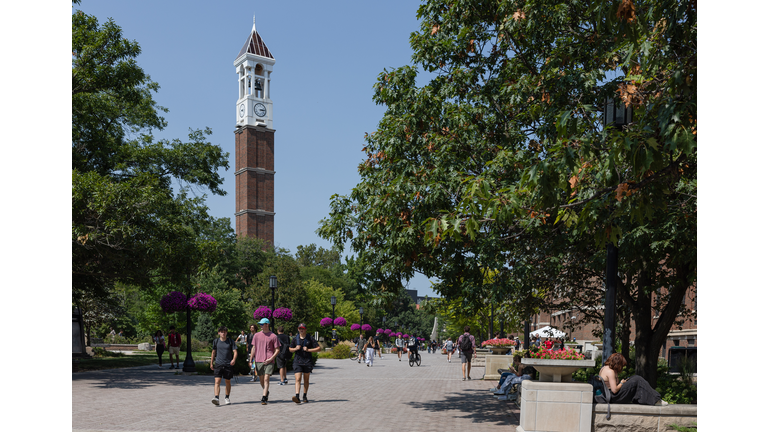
[[254, 141]]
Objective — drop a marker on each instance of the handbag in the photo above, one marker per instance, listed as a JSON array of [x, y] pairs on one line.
[[227, 372]]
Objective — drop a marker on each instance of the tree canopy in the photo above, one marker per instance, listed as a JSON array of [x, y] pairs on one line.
[[502, 161]]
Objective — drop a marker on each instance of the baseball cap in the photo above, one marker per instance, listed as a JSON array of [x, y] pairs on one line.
[[302, 326], [264, 321]]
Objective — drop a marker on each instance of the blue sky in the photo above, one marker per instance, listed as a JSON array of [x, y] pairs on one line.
[[328, 55]]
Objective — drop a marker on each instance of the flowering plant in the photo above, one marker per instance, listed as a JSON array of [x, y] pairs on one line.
[[498, 342], [406, 336], [174, 301], [354, 327], [421, 339], [366, 327], [379, 330], [564, 354], [284, 314], [262, 312], [325, 322], [202, 302], [340, 322], [388, 332], [398, 334]]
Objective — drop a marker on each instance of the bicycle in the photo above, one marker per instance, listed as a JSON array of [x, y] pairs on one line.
[[414, 358], [353, 354]]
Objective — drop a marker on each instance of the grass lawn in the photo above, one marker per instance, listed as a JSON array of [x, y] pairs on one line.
[[138, 359]]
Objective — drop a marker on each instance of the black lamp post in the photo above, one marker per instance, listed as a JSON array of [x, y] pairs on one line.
[[189, 362], [527, 334], [361, 318], [273, 287], [616, 115], [333, 320]]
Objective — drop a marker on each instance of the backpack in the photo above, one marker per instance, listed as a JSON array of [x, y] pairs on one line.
[[465, 344], [601, 393]]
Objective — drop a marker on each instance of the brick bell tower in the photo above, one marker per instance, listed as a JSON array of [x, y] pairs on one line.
[[254, 141]]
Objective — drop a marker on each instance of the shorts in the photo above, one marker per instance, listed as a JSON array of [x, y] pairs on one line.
[[399, 349], [218, 371], [280, 362], [265, 369], [174, 350], [466, 357], [297, 368]]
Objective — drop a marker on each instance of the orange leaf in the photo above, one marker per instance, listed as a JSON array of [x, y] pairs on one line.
[[518, 15], [626, 11], [435, 29]]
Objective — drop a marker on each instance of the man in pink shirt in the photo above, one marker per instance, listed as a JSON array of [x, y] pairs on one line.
[[266, 346]]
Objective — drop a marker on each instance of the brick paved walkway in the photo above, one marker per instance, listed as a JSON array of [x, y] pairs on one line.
[[343, 395]]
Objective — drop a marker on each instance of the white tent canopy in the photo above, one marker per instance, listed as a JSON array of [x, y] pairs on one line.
[[548, 332]]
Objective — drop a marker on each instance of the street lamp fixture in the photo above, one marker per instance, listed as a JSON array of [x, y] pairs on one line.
[[273, 287], [616, 113]]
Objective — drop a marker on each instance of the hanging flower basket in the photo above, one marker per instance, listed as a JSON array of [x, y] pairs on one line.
[[379, 330], [284, 314], [202, 302], [388, 332], [398, 334], [262, 312], [406, 336], [325, 322], [354, 327], [340, 322], [174, 301], [366, 327]]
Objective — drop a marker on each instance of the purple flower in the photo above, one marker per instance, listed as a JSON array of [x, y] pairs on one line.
[[325, 322], [340, 322], [406, 336], [354, 327], [284, 314], [388, 332], [174, 301], [202, 302], [366, 327], [379, 330], [262, 312], [398, 334]]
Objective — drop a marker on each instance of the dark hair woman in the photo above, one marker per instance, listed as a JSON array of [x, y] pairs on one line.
[[633, 390], [159, 341]]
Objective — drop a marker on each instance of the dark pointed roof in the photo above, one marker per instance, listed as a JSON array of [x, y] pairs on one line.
[[255, 45]]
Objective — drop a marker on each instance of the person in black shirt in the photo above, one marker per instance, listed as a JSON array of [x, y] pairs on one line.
[[282, 358], [302, 346], [249, 340]]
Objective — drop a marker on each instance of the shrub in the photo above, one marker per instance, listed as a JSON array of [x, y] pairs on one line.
[[196, 345], [341, 351], [101, 352]]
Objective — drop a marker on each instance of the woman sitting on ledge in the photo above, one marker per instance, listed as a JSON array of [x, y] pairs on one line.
[[634, 390]]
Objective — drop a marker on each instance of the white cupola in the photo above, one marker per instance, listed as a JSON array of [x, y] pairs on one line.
[[253, 66]]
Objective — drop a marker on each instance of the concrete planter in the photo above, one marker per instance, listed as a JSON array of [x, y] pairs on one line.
[[499, 350], [557, 370]]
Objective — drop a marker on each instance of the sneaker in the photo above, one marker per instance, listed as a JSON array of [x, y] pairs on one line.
[[662, 403], [286, 381], [215, 401], [503, 398], [499, 393], [469, 377], [226, 401], [296, 399], [358, 361], [263, 400], [160, 366], [463, 379], [171, 367], [282, 383], [304, 399], [493, 389]]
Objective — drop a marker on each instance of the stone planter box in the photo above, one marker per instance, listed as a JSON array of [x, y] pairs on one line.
[[492, 365], [499, 350], [555, 407], [557, 370], [642, 418]]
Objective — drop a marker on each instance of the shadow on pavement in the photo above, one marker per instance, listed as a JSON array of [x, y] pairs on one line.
[[475, 405]]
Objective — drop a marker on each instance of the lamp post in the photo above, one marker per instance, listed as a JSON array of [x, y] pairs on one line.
[[527, 334], [616, 115], [333, 320], [273, 287], [361, 318]]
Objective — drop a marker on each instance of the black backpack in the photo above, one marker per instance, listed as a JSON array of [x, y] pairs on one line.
[[466, 343], [601, 393]]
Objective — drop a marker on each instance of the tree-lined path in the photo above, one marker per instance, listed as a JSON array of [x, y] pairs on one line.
[[343, 395]]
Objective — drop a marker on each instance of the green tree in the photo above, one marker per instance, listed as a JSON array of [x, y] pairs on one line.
[[128, 224], [205, 331], [502, 157]]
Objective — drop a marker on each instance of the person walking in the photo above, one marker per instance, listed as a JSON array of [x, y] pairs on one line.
[[223, 359], [282, 358], [449, 347], [370, 351], [400, 345], [361, 347], [376, 340], [174, 346], [466, 353], [302, 346], [249, 340], [241, 338], [266, 346], [159, 341]]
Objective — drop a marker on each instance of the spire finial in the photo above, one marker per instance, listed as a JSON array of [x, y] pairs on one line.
[[254, 22]]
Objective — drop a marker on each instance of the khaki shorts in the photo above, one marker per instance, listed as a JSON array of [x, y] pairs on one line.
[[174, 350], [265, 369]]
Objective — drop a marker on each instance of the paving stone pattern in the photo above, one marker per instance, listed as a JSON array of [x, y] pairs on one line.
[[343, 396]]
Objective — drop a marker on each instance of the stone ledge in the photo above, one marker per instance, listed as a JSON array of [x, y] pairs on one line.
[[675, 410], [572, 386]]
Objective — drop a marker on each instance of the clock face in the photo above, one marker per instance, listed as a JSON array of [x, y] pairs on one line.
[[260, 110], [242, 110]]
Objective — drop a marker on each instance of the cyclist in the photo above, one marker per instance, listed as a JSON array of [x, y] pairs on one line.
[[413, 348]]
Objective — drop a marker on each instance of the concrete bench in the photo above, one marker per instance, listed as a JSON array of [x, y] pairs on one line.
[[642, 418]]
